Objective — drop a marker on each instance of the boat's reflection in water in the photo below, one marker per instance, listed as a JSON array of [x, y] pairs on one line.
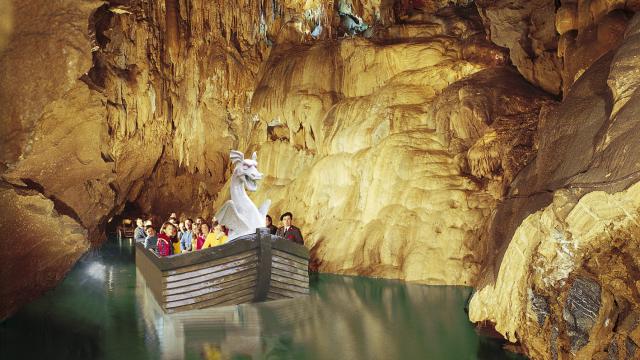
[[343, 318], [213, 333]]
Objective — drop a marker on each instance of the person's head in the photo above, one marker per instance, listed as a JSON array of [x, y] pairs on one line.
[[148, 223], [199, 220], [286, 218], [150, 230], [204, 228], [173, 221], [173, 216], [181, 226], [139, 222], [269, 221], [218, 228], [188, 223], [169, 229], [195, 228]]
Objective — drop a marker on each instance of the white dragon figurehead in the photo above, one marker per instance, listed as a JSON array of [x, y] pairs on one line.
[[246, 169], [240, 214]]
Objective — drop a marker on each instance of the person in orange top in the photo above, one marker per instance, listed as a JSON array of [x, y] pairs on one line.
[[216, 237]]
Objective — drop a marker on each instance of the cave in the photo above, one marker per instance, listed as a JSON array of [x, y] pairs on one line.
[[459, 144]]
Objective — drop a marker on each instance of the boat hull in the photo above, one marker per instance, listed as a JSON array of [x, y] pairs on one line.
[[251, 268]]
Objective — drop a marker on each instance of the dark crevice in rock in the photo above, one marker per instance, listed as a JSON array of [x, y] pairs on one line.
[[99, 23], [60, 206], [540, 306]]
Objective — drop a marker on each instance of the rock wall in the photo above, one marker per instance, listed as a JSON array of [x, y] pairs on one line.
[[393, 162], [567, 283]]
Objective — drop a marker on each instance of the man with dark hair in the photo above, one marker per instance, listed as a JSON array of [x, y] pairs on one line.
[[289, 231], [151, 239], [139, 233]]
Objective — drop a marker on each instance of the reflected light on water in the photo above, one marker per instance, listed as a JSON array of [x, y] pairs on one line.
[[96, 271]]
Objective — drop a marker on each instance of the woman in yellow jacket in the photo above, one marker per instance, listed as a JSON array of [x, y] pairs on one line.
[[215, 238]]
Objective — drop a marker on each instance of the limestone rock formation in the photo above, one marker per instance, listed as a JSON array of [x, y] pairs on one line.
[[567, 283], [42, 244], [393, 163]]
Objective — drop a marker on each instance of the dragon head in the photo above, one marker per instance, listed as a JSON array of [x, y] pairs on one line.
[[246, 169]]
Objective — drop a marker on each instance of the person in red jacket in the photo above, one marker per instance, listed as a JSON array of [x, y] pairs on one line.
[[167, 232]]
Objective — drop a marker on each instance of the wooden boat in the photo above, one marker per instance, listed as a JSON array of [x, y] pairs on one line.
[[126, 229], [255, 267]]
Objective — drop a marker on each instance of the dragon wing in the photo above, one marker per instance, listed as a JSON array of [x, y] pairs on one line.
[[264, 208], [229, 217]]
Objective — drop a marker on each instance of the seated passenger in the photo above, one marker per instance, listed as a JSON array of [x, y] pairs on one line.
[[138, 233], [175, 242], [151, 241], [187, 235], [163, 245], [272, 228], [204, 231], [216, 237], [195, 233]]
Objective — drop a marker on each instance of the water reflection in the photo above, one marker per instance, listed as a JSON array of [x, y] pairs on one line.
[[103, 310], [344, 317]]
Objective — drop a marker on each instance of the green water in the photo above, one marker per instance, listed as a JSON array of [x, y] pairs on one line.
[[103, 310]]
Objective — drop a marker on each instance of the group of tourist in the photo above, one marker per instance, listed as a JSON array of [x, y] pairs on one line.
[[182, 236]]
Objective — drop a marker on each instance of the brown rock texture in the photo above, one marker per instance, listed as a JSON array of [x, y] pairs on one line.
[[566, 285], [38, 242]]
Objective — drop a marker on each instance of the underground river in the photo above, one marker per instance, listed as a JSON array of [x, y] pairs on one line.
[[103, 310]]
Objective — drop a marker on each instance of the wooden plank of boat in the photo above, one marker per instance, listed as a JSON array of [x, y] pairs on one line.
[[202, 278], [285, 255], [227, 289], [282, 244], [251, 259], [196, 294], [173, 262], [215, 281], [211, 263], [289, 281], [291, 275], [291, 263], [290, 269], [150, 271]]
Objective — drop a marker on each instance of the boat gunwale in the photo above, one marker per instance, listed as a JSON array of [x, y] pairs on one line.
[[237, 246]]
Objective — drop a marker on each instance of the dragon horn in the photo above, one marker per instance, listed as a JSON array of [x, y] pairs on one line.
[[236, 156], [254, 157]]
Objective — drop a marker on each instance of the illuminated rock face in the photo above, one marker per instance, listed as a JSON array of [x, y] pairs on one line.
[[393, 165], [567, 282]]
